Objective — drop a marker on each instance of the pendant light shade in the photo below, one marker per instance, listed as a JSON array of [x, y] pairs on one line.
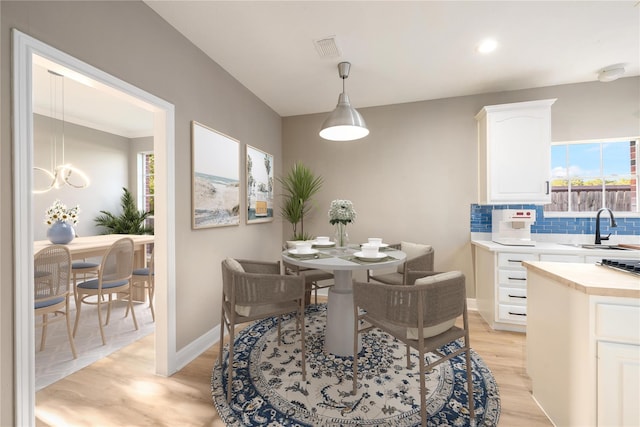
[[344, 123]]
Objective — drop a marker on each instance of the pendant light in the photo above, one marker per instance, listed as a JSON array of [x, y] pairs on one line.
[[344, 123], [64, 173]]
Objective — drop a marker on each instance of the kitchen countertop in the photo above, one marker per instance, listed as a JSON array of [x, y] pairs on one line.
[[590, 279], [557, 248]]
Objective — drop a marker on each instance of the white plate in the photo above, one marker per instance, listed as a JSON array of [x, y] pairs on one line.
[[381, 245], [295, 252], [361, 256], [324, 243]]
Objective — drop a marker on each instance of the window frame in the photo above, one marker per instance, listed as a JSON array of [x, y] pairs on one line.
[[142, 180], [590, 214]]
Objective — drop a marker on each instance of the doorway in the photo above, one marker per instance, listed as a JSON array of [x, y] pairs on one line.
[[24, 49]]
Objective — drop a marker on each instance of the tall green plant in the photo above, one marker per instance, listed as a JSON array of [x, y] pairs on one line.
[[130, 221], [299, 186]]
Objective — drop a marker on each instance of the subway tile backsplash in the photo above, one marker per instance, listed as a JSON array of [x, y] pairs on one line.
[[481, 222]]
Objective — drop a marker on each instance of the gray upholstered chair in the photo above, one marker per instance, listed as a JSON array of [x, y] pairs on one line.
[[253, 290], [114, 277], [85, 269], [419, 258], [314, 279], [52, 271], [422, 316]]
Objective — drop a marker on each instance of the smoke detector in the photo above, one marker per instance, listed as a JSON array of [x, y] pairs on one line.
[[611, 73]]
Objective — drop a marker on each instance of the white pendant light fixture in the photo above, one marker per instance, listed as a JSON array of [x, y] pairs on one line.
[[344, 123], [64, 173]]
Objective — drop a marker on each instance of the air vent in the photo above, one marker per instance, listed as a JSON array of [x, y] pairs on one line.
[[327, 47]]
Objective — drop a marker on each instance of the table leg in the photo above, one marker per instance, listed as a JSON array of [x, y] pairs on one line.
[[339, 332]]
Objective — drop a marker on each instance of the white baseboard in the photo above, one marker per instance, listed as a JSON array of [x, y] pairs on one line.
[[472, 304], [198, 346]]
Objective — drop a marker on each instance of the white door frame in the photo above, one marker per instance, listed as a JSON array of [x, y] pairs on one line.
[[24, 47]]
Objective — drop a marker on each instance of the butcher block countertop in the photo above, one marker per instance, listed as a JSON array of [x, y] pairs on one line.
[[589, 278]]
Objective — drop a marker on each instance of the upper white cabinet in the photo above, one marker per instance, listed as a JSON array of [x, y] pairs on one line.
[[514, 152]]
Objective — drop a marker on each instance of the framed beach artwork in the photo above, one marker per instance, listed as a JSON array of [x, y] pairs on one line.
[[259, 186], [215, 184]]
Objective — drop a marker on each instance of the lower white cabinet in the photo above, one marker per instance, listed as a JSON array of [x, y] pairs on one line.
[[501, 283], [618, 384], [583, 349], [501, 288]]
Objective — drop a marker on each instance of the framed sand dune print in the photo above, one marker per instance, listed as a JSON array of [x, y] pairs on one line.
[[259, 186], [215, 183]]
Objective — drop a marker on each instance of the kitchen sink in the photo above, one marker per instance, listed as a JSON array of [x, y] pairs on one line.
[[594, 246]]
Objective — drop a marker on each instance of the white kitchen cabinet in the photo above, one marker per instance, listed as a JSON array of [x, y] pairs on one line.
[[501, 288], [618, 384], [501, 280], [618, 352], [583, 344], [514, 152]]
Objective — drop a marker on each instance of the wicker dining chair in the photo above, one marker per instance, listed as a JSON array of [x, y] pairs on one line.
[[144, 278], [114, 277], [253, 290], [420, 257], [422, 316], [314, 279], [52, 271]]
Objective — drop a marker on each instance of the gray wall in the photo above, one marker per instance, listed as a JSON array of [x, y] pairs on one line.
[[415, 176], [131, 42]]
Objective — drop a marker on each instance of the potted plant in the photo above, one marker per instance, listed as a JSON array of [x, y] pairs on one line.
[[299, 186], [130, 221]]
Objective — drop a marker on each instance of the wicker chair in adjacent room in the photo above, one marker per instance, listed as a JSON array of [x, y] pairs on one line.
[[114, 277], [422, 316], [253, 290], [420, 257], [144, 278], [52, 271]]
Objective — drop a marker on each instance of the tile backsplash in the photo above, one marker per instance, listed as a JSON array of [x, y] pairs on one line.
[[481, 222]]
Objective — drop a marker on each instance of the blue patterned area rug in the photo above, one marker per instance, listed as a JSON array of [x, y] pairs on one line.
[[268, 389]]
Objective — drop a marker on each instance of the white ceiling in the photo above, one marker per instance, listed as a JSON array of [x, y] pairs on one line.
[[400, 51]]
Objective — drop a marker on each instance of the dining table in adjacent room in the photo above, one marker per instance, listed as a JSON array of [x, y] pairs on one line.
[[339, 336], [96, 246]]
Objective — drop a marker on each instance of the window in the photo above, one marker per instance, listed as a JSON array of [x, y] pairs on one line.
[[146, 184], [590, 175]]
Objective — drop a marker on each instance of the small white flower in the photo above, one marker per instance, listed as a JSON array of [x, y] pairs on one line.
[[341, 211], [59, 212]]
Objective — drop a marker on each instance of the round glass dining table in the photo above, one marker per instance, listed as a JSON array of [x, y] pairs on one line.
[[340, 315]]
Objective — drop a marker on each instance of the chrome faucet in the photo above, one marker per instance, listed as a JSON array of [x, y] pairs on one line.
[[613, 224]]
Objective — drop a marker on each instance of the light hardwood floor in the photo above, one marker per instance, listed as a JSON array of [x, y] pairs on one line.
[[121, 390]]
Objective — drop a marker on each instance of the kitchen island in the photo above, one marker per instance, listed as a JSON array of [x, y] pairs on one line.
[[583, 343]]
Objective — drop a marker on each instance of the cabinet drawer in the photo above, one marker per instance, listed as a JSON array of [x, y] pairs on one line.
[[512, 277], [618, 322], [512, 313], [510, 259], [516, 296]]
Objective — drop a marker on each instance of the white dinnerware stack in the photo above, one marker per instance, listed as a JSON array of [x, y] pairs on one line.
[[303, 248], [369, 250]]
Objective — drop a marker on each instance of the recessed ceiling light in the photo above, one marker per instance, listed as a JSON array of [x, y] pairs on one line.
[[487, 46]]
